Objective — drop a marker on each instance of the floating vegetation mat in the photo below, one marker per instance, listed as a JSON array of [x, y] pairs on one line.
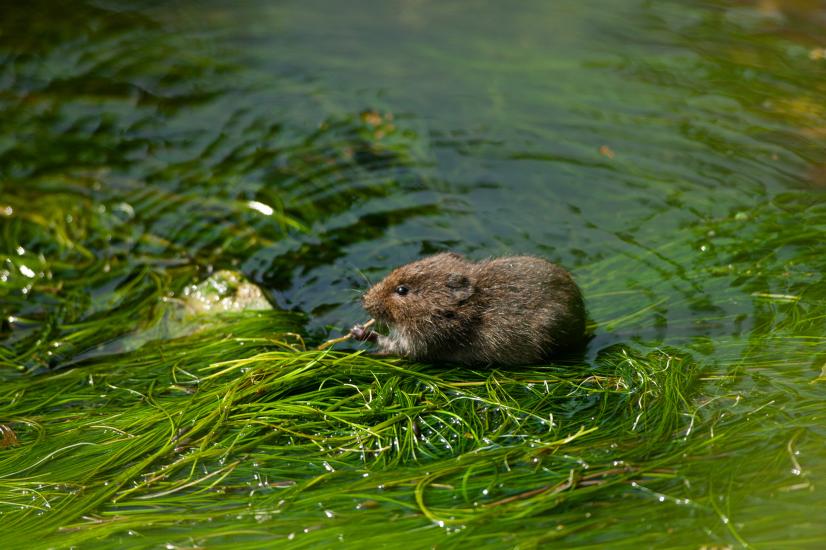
[[237, 434], [220, 437]]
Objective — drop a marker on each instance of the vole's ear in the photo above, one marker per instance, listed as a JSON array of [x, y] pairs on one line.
[[459, 286]]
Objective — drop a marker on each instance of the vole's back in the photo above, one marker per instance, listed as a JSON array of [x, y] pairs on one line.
[[529, 309]]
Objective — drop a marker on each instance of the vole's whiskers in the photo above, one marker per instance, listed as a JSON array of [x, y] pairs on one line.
[[356, 294], [363, 275]]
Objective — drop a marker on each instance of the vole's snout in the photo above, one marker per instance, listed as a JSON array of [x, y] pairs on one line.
[[366, 299], [374, 305]]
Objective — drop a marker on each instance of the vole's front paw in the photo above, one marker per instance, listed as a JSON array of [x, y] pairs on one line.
[[359, 332]]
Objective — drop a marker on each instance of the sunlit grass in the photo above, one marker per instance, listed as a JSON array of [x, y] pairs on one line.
[[286, 429]]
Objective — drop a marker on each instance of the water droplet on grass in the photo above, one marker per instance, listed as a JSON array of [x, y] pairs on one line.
[[367, 505]]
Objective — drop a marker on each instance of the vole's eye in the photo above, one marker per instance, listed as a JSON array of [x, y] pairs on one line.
[[402, 290]]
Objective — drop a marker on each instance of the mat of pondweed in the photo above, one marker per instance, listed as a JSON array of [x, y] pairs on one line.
[[671, 154]]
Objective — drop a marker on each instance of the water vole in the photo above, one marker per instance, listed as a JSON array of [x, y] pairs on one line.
[[506, 311]]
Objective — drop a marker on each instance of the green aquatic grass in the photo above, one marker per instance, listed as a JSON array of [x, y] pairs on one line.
[[282, 430], [225, 437]]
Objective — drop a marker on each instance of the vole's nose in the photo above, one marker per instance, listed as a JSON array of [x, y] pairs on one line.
[[365, 296]]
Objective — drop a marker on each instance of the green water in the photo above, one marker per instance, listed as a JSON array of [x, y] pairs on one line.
[[671, 154]]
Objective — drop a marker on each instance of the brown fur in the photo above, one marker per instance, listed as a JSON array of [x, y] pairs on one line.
[[506, 311]]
